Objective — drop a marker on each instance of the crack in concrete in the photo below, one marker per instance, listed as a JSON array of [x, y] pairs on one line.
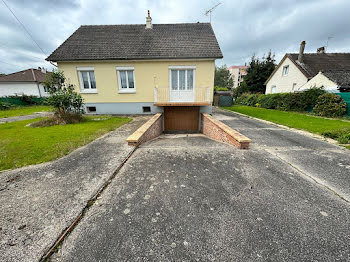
[[89, 204]]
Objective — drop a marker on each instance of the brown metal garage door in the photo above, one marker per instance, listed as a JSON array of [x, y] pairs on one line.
[[181, 118]]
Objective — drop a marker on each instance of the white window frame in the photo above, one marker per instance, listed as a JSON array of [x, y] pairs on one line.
[[285, 68], [82, 89], [178, 80], [273, 86], [126, 90]]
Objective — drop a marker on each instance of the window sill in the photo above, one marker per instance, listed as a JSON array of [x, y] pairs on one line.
[[88, 92], [127, 91]]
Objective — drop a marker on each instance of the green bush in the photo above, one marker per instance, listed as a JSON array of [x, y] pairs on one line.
[[342, 135], [248, 99], [330, 105], [5, 106], [220, 88], [310, 96]]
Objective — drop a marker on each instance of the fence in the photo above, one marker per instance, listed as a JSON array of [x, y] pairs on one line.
[[346, 98]]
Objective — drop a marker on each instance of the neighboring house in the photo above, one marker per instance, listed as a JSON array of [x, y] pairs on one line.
[[143, 68], [297, 72], [237, 74], [28, 82]]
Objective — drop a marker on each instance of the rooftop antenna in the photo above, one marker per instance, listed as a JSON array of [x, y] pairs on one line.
[[211, 10], [329, 38]]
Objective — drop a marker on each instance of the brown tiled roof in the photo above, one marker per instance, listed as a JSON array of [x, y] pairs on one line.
[[132, 42], [316, 62], [28, 75], [340, 77]]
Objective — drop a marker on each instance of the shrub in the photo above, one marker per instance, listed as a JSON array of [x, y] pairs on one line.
[[310, 96], [5, 106], [68, 104], [220, 88], [248, 99], [269, 101], [330, 105], [342, 135]]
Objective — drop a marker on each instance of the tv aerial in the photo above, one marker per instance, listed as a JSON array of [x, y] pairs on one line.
[[211, 10]]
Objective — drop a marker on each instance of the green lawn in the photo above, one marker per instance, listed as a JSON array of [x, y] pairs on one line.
[[21, 145], [296, 120], [23, 110]]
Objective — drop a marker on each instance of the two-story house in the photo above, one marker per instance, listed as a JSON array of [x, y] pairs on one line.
[[298, 72], [143, 69]]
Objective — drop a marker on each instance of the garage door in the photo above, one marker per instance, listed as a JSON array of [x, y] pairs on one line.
[[181, 118]]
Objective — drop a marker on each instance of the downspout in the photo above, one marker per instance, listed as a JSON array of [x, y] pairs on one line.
[[37, 83]]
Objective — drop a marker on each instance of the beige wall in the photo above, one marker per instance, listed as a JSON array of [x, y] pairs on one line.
[[319, 80], [147, 75], [284, 84]]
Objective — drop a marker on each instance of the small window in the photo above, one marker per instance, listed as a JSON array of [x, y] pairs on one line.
[[87, 80], [273, 89], [91, 109], [46, 90], [294, 86], [146, 109], [285, 70], [126, 79]]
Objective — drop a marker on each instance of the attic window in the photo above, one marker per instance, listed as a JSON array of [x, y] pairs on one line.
[[285, 70]]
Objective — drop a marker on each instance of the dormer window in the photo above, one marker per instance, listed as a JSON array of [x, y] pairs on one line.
[[285, 70]]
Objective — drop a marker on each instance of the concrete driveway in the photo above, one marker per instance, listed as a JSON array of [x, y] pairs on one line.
[[189, 198]]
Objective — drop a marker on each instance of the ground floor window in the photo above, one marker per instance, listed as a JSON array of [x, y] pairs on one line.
[[273, 89], [126, 79], [87, 79]]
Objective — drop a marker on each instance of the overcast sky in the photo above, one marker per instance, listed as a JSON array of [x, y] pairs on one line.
[[242, 28]]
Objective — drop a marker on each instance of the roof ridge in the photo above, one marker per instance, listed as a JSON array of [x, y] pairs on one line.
[[201, 23]]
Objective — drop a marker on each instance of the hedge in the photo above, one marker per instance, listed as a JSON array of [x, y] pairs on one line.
[[22, 100], [302, 101]]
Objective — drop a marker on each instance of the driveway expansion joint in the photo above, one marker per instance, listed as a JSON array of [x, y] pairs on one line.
[[88, 205], [316, 180]]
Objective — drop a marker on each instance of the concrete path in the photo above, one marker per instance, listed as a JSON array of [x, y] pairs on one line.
[[40, 201], [25, 117], [189, 198]]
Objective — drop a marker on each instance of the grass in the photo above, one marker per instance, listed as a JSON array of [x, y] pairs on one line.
[[23, 110], [312, 124], [21, 145]]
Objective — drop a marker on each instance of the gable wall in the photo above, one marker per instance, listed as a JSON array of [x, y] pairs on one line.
[[284, 84], [319, 80]]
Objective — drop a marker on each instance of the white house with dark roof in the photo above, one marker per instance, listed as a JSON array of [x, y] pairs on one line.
[[297, 72], [27, 82], [143, 69]]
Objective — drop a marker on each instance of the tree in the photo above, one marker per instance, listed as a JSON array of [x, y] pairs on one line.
[[2, 74], [68, 104], [257, 73], [223, 77]]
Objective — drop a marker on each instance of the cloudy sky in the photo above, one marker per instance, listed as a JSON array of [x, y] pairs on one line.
[[243, 28]]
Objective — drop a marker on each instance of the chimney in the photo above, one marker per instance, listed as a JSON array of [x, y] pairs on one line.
[[321, 50], [301, 52], [149, 21]]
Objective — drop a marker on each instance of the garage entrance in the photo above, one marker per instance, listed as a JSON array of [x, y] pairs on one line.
[[181, 119]]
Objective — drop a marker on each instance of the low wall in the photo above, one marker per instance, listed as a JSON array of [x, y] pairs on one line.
[[219, 131], [151, 129]]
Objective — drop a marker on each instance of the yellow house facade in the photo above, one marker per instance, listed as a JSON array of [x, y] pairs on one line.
[[141, 69], [152, 82]]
